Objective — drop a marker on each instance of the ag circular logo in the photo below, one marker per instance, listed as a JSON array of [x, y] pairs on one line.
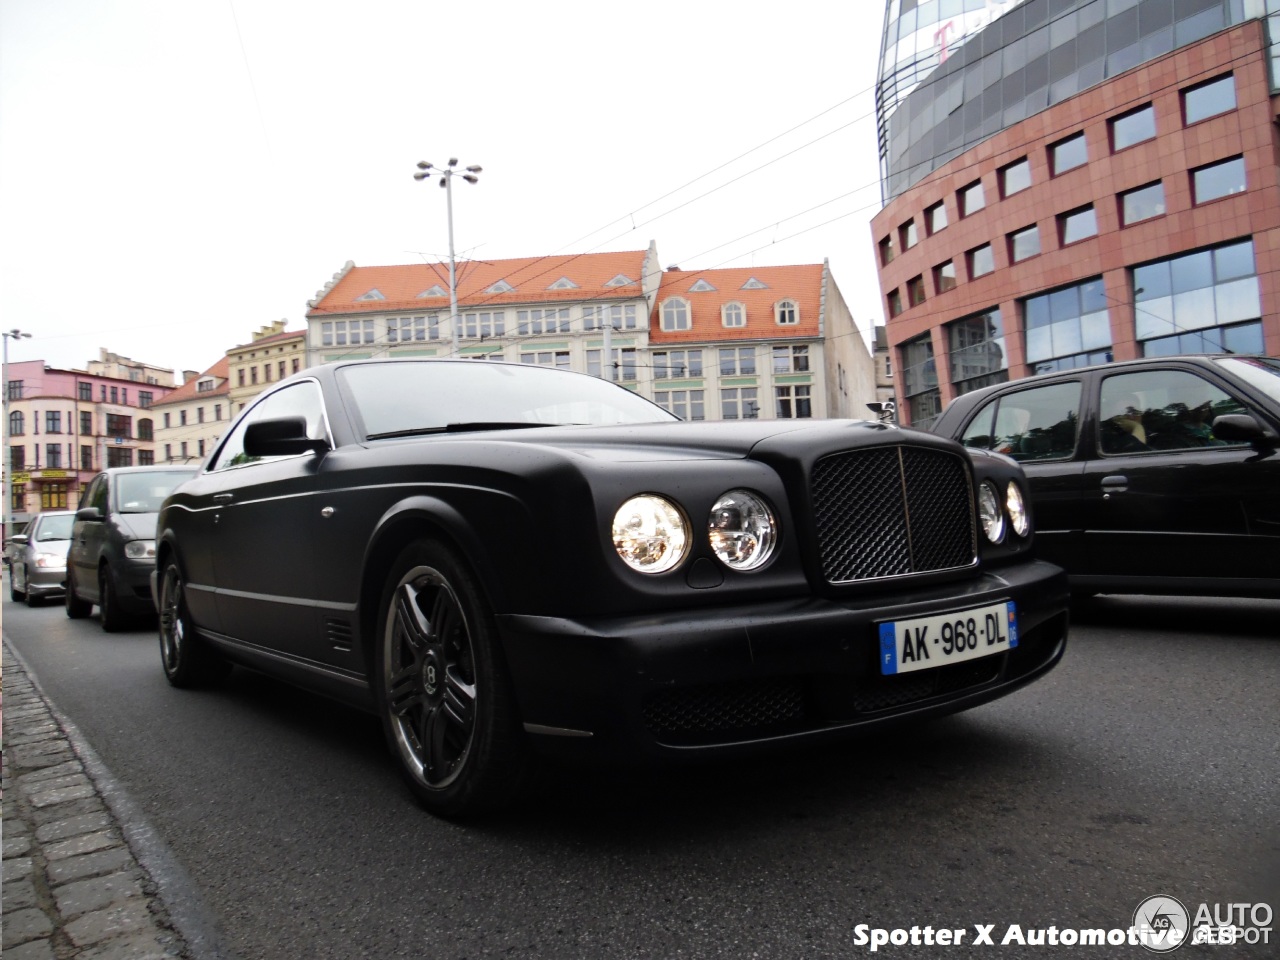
[[1162, 923]]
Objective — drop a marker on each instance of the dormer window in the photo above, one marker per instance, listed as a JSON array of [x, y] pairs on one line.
[[564, 283], [374, 294], [621, 280], [205, 385], [675, 315], [733, 315], [701, 286], [435, 291], [501, 287], [787, 313], [754, 284]]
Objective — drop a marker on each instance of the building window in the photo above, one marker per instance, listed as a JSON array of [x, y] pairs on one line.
[[1024, 244], [920, 381], [915, 290], [542, 320], [739, 403], [733, 315], [53, 456], [978, 354], [622, 363], [675, 314], [685, 404], [266, 373], [1202, 302], [86, 423], [1208, 99], [981, 261], [239, 381], [971, 199], [1015, 177], [737, 361], [294, 365], [1077, 225], [490, 323], [182, 448], [1068, 328], [886, 251], [146, 397], [147, 458], [85, 392], [935, 218], [677, 363], [1142, 203], [617, 316], [1068, 154], [407, 329], [1217, 180], [253, 379], [145, 431], [908, 235], [18, 497], [14, 388], [119, 425], [217, 411], [944, 277], [53, 496], [182, 415], [338, 333], [17, 458], [1133, 127], [547, 358], [168, 452], [895, 302], [16, 426], [115, 394], [794, 401], [791, 359], [86, 458], [787, 313]]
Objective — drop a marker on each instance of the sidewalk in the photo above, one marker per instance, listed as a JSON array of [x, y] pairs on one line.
[[74, 888]]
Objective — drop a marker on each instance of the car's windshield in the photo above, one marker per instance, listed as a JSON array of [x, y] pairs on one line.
[[143, 492], [424, 396], [55, 528], [1262, 373]]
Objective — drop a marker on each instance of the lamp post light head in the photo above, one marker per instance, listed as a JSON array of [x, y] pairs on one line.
[[421, 175], [474, 169], [423, 165], [470, 178], [453, 161]]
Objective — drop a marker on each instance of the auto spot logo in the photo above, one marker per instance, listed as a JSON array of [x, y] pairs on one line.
[[1160, 924]]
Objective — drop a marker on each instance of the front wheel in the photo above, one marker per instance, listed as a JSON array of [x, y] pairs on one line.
[[187, 659], [444, 696], [113, 618], [77, 609]]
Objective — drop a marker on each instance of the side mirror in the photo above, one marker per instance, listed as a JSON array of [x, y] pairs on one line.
[[89, 513], [19, 538], [281, 437], [1241, 428]]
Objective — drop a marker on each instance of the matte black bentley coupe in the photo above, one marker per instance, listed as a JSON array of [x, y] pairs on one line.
[[501, 559]]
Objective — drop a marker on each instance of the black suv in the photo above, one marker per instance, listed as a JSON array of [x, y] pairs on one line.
[[1147, 476]]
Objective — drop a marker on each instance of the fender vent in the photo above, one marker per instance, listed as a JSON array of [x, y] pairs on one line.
[[339, 633]]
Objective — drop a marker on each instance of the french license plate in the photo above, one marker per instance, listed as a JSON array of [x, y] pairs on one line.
[[927, 642]]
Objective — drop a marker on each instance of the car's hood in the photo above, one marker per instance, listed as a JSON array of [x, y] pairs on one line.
[[137, 526]]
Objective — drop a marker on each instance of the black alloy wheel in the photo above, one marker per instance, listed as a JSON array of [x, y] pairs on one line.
[[188, 661], [444, 696], [77, 609]]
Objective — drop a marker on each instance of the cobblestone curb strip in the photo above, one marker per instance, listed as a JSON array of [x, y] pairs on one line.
[[75, 884]]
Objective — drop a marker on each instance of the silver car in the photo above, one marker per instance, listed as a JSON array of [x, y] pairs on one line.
[[39, 564]]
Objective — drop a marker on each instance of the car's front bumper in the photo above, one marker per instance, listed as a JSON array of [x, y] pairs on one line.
[[46, 581], [133, 584], [730, 680]]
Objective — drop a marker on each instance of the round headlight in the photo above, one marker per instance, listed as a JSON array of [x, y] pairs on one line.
[[650, 534], [742, 530], [990, 513], [1017, 509]]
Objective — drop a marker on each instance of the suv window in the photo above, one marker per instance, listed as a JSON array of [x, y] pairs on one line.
[[1039, 423], [1160, 410], [299, 400]]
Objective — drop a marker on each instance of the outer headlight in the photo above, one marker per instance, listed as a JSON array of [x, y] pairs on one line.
[[990, 513], [742, 530], [140, 549], [650, 534], [1017, 508], [51, 560]]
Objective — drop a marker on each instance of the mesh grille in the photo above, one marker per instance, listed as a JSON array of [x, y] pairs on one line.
[[726, 708], [892, 512]]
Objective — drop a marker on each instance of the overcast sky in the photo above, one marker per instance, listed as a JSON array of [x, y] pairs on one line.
[[174, 175]]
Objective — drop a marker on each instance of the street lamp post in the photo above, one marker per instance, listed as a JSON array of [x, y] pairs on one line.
[[6, 513], [425, 170]]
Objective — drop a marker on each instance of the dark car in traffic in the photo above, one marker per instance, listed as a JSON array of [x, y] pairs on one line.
[[113, 543], [501, 560], [39, 557], [1147, 476]]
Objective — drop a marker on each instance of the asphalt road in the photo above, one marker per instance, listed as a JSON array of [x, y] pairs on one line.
[[1147, 763]]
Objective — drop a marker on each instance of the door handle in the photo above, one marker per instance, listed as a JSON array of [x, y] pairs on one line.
[[223, 497], [1117, 483]]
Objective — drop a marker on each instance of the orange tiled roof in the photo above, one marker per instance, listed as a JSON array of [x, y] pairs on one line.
[[401, 286], [271, 338], [801, 283], [219, 371]]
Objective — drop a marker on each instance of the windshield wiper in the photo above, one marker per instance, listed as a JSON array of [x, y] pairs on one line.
[[457, 428]]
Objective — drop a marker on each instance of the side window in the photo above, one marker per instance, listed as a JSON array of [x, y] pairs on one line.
[[1160, 410], [1035, 424], [298, 400], [94, 493]]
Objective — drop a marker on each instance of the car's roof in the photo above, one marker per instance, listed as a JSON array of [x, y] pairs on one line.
[[151, 468], [1195, 358]]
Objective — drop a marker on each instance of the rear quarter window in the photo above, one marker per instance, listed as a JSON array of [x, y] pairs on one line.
[[1038, 423]]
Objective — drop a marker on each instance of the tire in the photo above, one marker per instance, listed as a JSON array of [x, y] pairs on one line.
[[32, 599], [113, 619], [442, 688], [77, 609], [187, 659]]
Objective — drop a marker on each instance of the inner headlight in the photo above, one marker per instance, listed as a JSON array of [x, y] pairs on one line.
[[140, 549], [51, 560], [650, 534], [742, 530], [1017, 508], [990, 513]]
